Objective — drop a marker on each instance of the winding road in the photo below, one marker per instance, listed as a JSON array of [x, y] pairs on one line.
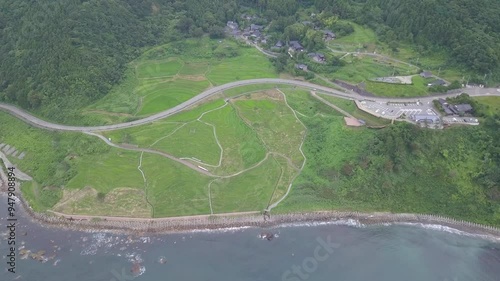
[[35, 121]]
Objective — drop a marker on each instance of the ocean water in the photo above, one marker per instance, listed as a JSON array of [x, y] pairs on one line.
[[298, 252]]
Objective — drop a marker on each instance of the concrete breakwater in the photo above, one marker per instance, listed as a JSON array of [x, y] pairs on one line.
[[142, 226]]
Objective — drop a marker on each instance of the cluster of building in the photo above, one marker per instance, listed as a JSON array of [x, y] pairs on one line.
[[437, 82], [455, 109], [253, 32]]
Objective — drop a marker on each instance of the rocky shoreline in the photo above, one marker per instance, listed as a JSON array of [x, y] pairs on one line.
[[141, 226]]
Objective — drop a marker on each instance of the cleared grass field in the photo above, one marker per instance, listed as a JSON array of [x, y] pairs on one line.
[[274, 122], [146, 135], [153, 69], [287, 175], [418, 88], [126, 202], [361, 35], [143, 136], [173, 189], [249, 129], [192, 140], [168, 75], [249, 65], [363, 68], [242, 147], [170, 95], [108, 171], [250, 191], [492, 104], [194, 68]]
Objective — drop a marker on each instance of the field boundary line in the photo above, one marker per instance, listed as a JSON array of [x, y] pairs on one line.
[[210, 196], [171, 133], [145, 185], [274, 205], [277, 183], [152, 151]]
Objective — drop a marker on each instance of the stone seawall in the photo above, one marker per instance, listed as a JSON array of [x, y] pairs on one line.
[[186, 224]]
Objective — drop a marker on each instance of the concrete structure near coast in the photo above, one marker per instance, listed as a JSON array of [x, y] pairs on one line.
[[251, 219]]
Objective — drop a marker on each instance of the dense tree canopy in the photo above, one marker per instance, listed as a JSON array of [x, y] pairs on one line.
[[57, 56], [470, 29]]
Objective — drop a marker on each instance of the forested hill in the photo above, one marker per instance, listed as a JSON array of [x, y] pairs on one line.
[[59, 55], [65, 53], [469, 29]]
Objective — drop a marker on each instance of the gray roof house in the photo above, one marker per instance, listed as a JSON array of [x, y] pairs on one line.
[[463, 108], [256, 34], [301, 66], [437, 82], [317, 57], [279, 44], [296, 46], [426, 74], [328, 35], [426, 118], [446, 107]]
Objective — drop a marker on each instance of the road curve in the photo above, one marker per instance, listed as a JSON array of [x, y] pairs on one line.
[[35, 121]]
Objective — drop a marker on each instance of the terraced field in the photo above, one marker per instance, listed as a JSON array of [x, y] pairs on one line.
[[237, 141], [169, 75]]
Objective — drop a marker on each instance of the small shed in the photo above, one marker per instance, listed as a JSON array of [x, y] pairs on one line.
[[426, 74]]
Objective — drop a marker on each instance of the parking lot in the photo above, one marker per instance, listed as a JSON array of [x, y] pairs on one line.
[[393, 110]]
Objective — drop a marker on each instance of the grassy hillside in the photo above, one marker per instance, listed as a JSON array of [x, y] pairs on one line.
[[168, 75], [402, 168], [61, 55]]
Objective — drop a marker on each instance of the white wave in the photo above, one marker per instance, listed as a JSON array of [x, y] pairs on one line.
[[219, 230], [348, 222], [451, 230]]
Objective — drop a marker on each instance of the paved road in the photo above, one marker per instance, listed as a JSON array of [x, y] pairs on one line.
[[35, 121]]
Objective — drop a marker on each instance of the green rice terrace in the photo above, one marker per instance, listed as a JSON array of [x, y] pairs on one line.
[[168, 75], [236, 142], [253, 147]]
